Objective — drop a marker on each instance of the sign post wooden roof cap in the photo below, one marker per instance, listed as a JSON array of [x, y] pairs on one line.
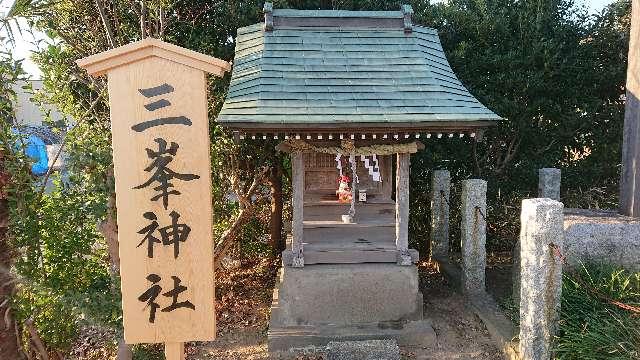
[[100, 64]]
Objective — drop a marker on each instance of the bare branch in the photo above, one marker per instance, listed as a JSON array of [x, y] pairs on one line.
[[107, 24], [162, 23], [229, 236], [143, 19], [511, 152], [546, 148]]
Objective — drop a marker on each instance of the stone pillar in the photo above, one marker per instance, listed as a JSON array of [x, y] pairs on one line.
[[541, 275], [440, 190], [549, 183], [474, 235], [549, 180], [402, 209], [297, 225]]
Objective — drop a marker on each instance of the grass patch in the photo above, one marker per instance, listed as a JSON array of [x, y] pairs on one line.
[[510, 309], [592, 328]]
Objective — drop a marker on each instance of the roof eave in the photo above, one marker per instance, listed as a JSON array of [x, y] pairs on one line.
[[361, 127]]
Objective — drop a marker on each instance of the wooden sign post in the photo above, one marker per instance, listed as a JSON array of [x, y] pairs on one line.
[[630, 174], [159, 124]]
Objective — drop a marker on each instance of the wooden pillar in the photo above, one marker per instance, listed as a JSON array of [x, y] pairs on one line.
[[174, 351], [297, 226], [402, 209], [630, 175]]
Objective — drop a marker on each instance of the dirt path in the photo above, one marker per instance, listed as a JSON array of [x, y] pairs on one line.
[[243, 293], [459, 332], [241, 345]]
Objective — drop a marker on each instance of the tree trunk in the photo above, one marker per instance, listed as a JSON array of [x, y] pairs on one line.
[[8, 337], [275, 222], [109, 229]]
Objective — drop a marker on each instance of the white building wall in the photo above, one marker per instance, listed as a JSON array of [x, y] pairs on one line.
[[28, 113]]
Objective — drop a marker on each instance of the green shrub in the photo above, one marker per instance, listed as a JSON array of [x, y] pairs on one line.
[[53, 319], [65, 281], [593, 328]]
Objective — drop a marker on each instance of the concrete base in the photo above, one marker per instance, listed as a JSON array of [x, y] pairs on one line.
[[363, 350], [285, 339], [321, 303], [601, 236]]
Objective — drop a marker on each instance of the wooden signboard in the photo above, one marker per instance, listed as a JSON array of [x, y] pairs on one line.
[[630, 174], [157, 96]]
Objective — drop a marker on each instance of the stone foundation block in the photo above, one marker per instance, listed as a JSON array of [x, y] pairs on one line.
[[346, 294]]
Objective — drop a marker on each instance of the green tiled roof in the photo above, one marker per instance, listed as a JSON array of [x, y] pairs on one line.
[[335, 75]]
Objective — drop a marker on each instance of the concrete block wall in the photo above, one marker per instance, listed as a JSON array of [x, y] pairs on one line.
[[602, 236]]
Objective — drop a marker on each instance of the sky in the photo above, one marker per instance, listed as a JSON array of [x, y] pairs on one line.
[[25, 43]]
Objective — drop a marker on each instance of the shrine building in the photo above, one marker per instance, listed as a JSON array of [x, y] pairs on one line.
[[350, 95]]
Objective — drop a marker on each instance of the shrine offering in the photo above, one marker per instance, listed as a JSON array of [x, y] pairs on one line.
[[344, 192], [157, 95]]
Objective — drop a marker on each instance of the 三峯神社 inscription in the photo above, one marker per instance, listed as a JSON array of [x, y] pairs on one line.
[[160, 139]]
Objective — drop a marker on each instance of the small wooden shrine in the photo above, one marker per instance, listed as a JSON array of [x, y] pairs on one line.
[[351, 95], [335, 85]]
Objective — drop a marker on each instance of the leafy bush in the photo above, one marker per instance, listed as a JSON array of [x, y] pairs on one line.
[[593, 328], [556, 74], [64, 277]]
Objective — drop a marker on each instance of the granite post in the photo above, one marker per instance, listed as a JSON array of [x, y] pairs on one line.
[[402, 209], [440, 191], [549, 183], [549, 180], [541, 243], [474, 235]]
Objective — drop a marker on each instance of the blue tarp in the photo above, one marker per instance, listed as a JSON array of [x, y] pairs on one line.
[[36, 149]]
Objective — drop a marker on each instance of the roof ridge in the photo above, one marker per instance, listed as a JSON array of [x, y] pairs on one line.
[[275, 18], [394, 14]]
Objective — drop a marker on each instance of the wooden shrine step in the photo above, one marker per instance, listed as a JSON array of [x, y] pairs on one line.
[[363, 211], [344, 236], [348, 256], [364, 223]]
